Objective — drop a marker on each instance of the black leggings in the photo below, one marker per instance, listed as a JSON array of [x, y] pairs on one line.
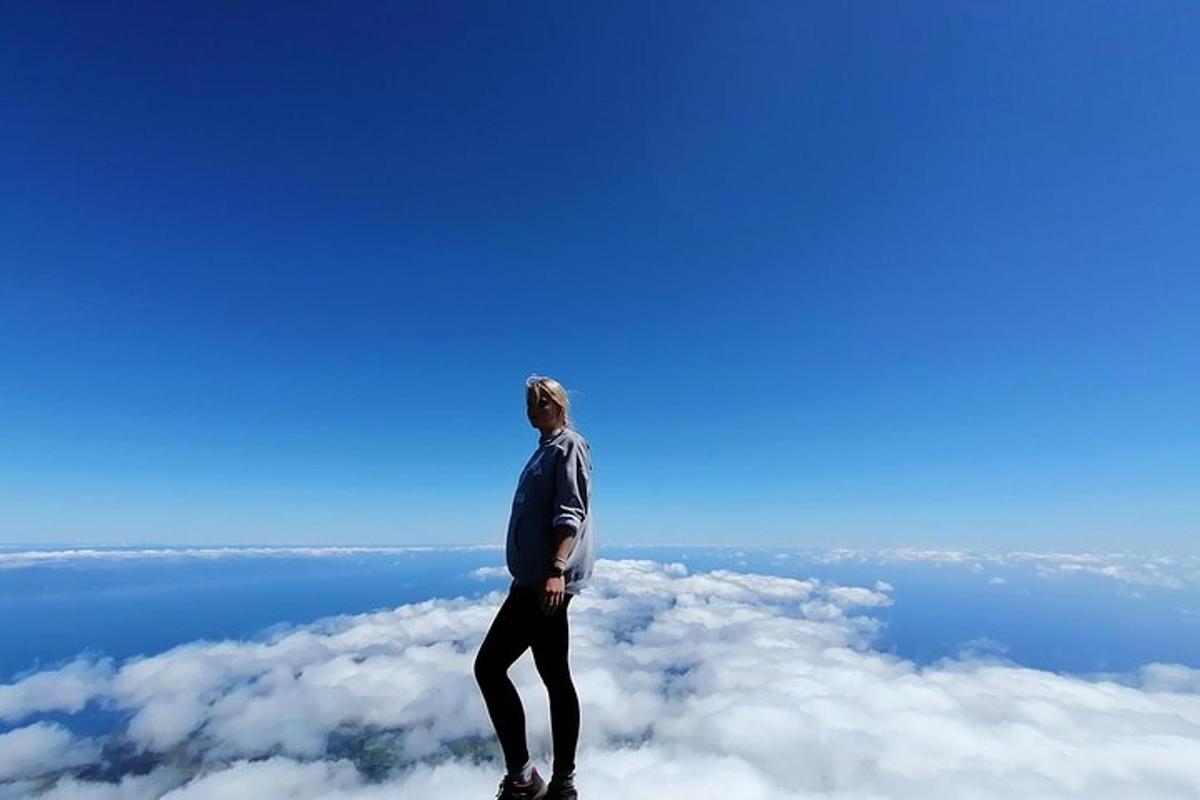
[[519, 624]]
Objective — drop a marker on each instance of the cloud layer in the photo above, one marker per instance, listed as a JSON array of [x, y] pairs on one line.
[[1143, 569], [15, 559], [694, 686]]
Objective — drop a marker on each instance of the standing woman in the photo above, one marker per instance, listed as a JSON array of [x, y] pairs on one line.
[[550, 553]]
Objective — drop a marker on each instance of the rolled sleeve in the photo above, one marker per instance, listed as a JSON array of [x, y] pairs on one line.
[[571, 488]]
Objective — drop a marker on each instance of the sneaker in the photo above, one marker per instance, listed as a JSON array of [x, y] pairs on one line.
[[561, 789], [511, 790]]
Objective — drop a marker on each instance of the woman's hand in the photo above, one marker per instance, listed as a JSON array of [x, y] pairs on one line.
[[553, 594]]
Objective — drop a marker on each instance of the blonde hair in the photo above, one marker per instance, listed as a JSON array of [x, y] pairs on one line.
[[541, 387]]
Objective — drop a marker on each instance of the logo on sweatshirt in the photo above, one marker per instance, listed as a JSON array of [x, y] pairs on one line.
[[534, 467]]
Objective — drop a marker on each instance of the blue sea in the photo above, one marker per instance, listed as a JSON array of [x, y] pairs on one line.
[[1087, 623]]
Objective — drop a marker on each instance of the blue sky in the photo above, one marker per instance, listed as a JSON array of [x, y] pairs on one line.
[[818, 275]]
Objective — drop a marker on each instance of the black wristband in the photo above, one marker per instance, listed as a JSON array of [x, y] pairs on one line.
[[556, 571]]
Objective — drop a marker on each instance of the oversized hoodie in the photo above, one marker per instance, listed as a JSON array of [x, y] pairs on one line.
[[554, 489]]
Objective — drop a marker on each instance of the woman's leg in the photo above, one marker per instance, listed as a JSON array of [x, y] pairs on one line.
[[507, 638], [550, 656]]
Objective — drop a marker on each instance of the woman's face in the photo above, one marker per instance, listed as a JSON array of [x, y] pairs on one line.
[[543, 414]]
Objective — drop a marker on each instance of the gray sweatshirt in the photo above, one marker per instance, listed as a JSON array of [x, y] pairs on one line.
[[554, 489]]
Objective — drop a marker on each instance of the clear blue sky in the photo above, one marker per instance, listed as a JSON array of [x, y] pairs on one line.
[[820, 273]]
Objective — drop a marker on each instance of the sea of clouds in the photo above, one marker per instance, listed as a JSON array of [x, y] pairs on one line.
[[19, 558], [718, 684], [1171, 571], [1144, 569]]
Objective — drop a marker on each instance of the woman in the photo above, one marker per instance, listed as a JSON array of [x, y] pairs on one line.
[[550, 553]]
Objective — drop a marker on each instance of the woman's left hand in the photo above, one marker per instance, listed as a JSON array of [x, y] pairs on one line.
[[553, 594]]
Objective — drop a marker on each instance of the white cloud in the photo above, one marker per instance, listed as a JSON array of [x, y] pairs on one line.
[[1169, 678], [849, 596], [490, 573], [26, 751], [694, 686], [1132, 568], [27, 558], [1136, 570], [893, 555], [67, 689], [1141, 569], [982, 649], [155, 785]]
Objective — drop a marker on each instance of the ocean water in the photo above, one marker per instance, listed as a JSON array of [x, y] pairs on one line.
[[1063, 621]]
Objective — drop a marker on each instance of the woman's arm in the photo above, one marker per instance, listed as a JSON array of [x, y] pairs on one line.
[[570, 509], [564, 535], [556, 585], [571, 475]]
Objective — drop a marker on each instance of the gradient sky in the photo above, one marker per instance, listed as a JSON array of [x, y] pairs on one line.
[[819, 273]]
